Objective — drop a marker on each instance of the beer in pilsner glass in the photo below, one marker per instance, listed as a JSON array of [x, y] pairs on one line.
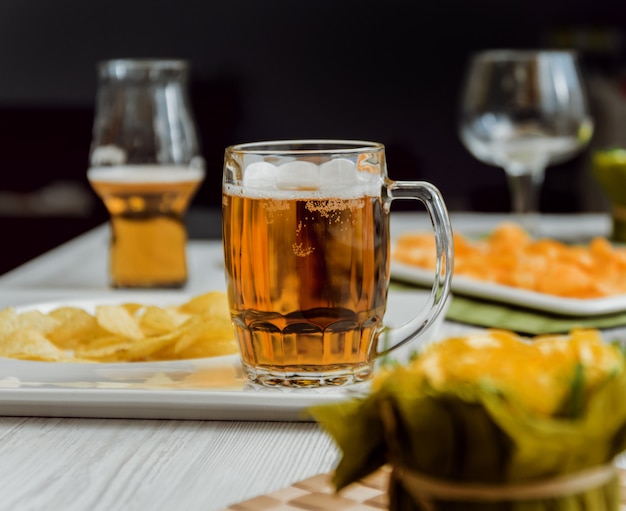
[[146, 205]]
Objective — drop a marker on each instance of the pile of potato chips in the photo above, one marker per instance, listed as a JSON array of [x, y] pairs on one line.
[[129, 332], [511, 257]]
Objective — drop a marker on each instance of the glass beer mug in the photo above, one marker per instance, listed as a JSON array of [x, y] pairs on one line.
[[146, 167], [306, 248]]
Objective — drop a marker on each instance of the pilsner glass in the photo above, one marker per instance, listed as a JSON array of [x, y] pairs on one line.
[[306, 248], [146, 167]]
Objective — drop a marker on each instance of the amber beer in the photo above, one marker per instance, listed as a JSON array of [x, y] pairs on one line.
[[307, 281], [146, 206]]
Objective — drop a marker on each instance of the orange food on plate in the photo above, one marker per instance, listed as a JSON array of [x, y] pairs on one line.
[[510, 256]]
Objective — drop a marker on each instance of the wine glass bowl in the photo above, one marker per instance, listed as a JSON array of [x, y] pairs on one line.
[[524, 110]]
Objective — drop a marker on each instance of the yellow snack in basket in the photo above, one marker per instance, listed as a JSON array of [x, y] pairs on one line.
[[128, 332], [495, 412], [511, 257]]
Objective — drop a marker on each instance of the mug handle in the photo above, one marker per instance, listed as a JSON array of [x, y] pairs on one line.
[[430, 196]]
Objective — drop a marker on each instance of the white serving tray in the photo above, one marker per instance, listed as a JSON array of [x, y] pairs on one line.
[[514, 296]]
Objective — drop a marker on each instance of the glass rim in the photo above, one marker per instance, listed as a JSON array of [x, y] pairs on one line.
[[306, 146], [499, 54], [129, 65]]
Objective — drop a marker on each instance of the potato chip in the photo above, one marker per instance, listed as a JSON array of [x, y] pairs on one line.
[[157, 321], [132, 308], [38, 320], [9, 321], [207, 336], [147, 348], [117, 320], [105, 349], [30, 344], [76, 326], [213, 303]]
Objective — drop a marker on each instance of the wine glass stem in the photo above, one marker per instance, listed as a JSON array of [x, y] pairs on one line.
[[525, 189]]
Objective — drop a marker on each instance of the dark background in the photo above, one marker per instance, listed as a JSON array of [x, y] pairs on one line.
[[388, 71]]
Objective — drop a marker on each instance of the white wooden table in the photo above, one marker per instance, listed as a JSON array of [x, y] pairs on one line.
[[138, 464]]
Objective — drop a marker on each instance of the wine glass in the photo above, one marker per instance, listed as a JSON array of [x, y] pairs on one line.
[[524, 110]]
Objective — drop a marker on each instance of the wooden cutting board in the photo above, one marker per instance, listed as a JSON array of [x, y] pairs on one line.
[[318, 494]]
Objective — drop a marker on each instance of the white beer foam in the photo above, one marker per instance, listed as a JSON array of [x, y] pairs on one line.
[[260, 173], [305, 175], [111, 154], [338, 172], [145, 174], [298, 175]]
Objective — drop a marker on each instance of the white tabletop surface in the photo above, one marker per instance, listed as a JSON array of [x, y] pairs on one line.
[[163, 464]]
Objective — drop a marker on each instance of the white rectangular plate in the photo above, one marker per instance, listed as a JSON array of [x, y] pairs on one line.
[[198, 389], [155, 403], [514, 296]]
